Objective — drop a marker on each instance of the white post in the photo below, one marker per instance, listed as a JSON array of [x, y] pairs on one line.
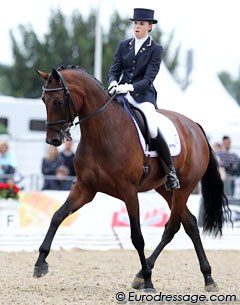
[[98, 46]]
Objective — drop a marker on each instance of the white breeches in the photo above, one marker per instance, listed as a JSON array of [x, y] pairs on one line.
[[150, 112]]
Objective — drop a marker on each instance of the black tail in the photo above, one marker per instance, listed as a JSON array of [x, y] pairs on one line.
[[215, 203]]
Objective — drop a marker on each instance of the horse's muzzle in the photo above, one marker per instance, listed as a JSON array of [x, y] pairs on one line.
[[54, 142]]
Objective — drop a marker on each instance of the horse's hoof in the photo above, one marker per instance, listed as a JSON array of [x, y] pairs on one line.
[[211, 287], [40, 271], [149, 290], [138, 282]]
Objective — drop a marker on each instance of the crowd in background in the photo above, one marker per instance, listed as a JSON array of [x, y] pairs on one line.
[[7, 162], [229, 166], [8, 172], [57, 167]]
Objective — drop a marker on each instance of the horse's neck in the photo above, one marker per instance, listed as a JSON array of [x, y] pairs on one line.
[[105, 127], [101, 123]]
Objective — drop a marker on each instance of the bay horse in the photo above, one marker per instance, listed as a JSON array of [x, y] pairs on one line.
[[109, 159]]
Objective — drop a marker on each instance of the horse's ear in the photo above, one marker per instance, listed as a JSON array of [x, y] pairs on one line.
[[43, 75], [55, 74]]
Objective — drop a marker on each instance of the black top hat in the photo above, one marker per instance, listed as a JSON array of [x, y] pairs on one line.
[[143, 14]]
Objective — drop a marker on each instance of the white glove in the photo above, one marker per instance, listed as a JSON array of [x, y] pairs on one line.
[[122, 89], [112, 88]]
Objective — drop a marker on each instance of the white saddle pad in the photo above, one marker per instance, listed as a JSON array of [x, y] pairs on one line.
[[170, 134]]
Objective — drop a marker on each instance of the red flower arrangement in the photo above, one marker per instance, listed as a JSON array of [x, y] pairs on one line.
[[9, 190]]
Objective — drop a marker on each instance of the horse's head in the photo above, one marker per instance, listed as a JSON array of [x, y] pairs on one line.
[[59, 105], [87, 99]]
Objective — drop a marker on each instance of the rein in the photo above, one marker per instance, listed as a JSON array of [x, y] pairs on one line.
[[96, 112], [67, 97]]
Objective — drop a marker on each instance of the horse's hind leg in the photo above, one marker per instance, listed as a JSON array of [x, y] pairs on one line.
[[75, 200], [190, 225]]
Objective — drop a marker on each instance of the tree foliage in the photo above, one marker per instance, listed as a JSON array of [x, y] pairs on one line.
[[232, 85], [68, 41]]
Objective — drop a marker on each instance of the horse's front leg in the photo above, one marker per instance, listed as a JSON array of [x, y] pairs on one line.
[[78, 196], [132, 205], [171, 228]]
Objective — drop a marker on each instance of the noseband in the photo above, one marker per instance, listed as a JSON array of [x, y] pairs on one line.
[[69, 102]]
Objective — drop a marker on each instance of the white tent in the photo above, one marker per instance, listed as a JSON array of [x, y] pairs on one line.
[[170, 96], [212, 106], [205, 101]]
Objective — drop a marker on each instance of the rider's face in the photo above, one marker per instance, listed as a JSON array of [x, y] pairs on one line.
[[141, 28]]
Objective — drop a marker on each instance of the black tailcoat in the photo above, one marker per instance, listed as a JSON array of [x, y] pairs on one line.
[[139, 70]]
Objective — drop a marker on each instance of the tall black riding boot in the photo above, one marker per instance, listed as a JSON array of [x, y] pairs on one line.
[[166, 162]]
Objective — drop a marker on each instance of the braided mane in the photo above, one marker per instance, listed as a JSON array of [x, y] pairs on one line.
[[76, 67]]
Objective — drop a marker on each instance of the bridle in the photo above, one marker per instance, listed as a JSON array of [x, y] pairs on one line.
[[69, 103]]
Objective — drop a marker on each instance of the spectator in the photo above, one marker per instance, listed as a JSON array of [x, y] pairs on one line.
[[229, 161], [50, 163], [68, 157], [7, 163], [217, 147], [61, 183]]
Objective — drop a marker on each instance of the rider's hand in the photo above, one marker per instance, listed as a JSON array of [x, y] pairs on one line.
[[112, 88], [122, 89]]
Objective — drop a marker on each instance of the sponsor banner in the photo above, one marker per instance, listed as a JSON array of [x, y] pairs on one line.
[[37, 209]]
